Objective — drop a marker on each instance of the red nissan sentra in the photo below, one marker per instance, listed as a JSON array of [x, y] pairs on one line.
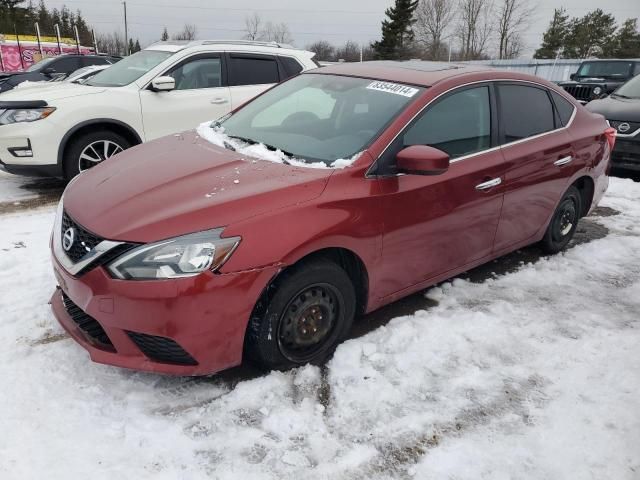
[[343, 189]]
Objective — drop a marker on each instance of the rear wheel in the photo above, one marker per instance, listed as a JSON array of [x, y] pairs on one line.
[[303, 317], [90, 149], [564, 222]]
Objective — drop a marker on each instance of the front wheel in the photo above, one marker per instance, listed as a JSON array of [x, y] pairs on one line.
[[564, 222], [303, 317], [90, 149]]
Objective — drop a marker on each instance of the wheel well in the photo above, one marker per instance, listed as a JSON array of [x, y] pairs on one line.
[[349, 261], [119, 128], [586, 187]]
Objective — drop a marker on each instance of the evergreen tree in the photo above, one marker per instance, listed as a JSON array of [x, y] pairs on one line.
[[136, 47], [590, 36], [627, 40], [397, 33], [165, 35], [553, 38]]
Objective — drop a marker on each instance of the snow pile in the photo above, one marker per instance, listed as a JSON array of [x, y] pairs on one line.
[[532, 374], [217, 136]]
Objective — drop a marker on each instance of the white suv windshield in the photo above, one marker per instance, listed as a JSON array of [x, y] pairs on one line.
[[323, 118], [129, 69]]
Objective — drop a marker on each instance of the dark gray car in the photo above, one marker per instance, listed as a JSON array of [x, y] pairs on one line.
[[622, 111]]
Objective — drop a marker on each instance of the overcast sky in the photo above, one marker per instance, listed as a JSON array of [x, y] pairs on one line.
[[334, 20]]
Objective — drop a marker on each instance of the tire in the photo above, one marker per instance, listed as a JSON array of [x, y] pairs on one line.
[[302, 317], [73, 163], [563, 223]]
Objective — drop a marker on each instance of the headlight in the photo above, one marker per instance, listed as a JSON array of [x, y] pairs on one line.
[[178, 257], [21, 115], [597, 91]]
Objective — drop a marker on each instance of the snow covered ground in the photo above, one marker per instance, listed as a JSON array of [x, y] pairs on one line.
[[533, 374]]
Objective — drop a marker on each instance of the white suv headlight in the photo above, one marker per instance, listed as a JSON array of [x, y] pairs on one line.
[[179, 257], [23, 115]]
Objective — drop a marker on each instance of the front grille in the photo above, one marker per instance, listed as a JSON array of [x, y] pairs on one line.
[[161, 349], [626, 152], [87, 324], [580, 92], [633, 126], [83, 240]]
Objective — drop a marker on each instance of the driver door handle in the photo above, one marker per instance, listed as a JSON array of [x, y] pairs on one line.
[[563, 161], [219, 101], [489, 184]]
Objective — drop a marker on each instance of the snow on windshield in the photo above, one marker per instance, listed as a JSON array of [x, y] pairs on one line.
[[217, 136]]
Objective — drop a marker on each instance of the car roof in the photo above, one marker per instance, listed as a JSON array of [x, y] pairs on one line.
[[415, 72], [178, 45]]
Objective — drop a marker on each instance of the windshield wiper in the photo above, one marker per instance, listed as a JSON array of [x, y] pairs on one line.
[[267, 146]]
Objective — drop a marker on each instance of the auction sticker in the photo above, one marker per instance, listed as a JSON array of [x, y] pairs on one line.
[[393, 88]]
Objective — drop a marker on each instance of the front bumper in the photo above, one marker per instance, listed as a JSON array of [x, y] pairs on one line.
[[31, 148], [626, 153], [204, 316]]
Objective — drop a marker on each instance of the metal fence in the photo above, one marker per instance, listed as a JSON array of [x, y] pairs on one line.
[[552, 70]]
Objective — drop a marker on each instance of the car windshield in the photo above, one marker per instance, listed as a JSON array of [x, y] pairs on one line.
[[316, 117], [605, 69], [40, 65], [631, 89], [129, 69]]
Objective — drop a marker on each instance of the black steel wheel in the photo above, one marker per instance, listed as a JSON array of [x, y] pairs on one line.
[[302, 317], [564, 222]]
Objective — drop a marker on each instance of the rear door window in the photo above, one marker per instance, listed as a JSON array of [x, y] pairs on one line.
[[252, 69], [460, 124], [525, 111]]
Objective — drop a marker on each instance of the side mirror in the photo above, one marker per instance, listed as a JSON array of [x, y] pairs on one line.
[[422, 160], [572, 76], [163, 84]]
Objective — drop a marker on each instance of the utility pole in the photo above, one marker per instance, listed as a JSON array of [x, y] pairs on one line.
[[126, 32]]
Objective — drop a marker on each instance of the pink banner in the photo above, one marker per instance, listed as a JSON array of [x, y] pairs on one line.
[[11, 56]]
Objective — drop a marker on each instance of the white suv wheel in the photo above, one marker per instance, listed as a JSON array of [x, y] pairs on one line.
[[96, 152]]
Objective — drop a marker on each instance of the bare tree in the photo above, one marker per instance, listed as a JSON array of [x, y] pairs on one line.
[[111, 43], [323, 50], [513, 17], [349, 52], [474, 28], [189, 32], [276, 32], [433, 20], [252, 25]]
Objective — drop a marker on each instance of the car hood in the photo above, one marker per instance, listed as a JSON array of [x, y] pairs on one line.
[[616, 108], [52, 92], [183, 184]]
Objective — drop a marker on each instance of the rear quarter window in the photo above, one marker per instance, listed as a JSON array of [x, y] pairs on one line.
[[563, 107], [291, 66]]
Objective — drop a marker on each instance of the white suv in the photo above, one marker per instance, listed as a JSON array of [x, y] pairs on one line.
[[62, 129]]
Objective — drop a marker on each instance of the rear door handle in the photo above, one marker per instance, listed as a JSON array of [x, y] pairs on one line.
[[563, 161], [489, 184], [219, 101]]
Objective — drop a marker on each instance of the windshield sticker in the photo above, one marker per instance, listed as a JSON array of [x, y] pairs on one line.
[[393, 88]]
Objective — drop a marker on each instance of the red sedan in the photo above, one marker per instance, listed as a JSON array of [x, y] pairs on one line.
[[339, 191]]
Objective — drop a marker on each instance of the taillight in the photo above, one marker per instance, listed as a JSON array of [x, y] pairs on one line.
[[610, 133]]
